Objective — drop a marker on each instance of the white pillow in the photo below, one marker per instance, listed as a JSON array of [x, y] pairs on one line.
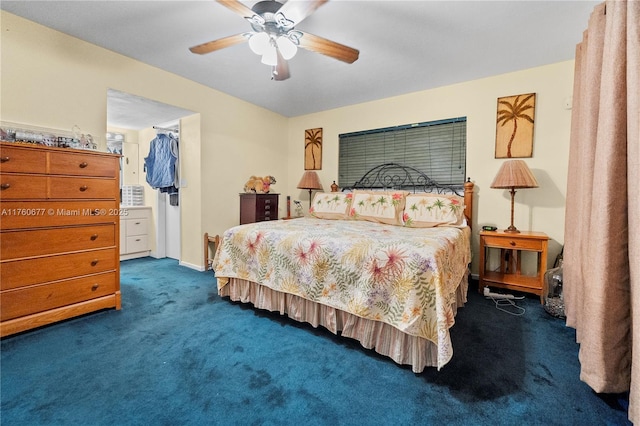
[[330, 205], [429, 210], [378, 206]]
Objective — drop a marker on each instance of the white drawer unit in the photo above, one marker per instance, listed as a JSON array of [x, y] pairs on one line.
[[134, 232]]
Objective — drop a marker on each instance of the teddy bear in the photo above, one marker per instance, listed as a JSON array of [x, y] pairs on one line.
[[259, 185]]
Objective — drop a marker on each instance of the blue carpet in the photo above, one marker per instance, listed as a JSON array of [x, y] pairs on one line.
[[177, 354]]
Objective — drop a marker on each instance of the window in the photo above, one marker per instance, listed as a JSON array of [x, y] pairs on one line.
[[436, 148]]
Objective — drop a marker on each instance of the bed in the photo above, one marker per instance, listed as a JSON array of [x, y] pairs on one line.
[[384, 262]]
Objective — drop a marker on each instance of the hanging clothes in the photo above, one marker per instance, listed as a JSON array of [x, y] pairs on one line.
[[162, 164]]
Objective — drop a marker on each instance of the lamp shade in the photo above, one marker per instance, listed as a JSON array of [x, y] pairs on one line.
[[286, 47], [514, 174], [259, 43], [310, 180], [270, 56]]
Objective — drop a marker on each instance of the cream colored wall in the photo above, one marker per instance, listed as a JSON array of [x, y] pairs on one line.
[[539, 209], [191, 198], [50, 79]]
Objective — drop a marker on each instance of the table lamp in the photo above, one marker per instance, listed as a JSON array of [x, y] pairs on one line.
[[514, 174], [310, 181]]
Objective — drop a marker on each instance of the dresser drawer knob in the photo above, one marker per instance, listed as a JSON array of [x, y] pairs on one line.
[[5, 186], [94, 237], [95, 287], [94, 262], [513, 243], [5, 159], [83, 165], [84, 188]]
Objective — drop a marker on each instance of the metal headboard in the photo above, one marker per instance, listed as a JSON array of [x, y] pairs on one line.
[[398, 176]]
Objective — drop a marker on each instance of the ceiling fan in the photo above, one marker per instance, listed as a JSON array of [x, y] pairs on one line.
[[274, 36]]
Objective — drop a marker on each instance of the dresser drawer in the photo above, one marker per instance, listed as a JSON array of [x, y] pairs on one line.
[[137, 243], [20, 160], [80, 164], [513, 243], [22, 273], [40, 242], [22, 186], [39, 214], [78, 188], [38, 298], [267, 204], [131, 212], [266, 215], [135, 226]]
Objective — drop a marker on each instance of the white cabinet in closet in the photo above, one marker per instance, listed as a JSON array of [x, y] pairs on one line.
[[134, 232]]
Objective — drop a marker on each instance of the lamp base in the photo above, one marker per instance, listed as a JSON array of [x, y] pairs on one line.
[[512, 229]]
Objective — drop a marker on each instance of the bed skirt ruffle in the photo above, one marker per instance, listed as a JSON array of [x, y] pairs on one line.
[[383, 338]]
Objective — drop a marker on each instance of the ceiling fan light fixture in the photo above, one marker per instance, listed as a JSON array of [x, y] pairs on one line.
[[259, 43], [270, 56], [287, 48], [273, 35]]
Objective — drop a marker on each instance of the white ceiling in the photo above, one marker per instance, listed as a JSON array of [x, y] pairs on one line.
[[135, 112], [405, 46]]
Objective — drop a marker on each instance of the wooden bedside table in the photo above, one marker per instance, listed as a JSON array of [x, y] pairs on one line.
[[509, 274]]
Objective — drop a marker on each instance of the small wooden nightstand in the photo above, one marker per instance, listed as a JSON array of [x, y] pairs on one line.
[[509, 274]]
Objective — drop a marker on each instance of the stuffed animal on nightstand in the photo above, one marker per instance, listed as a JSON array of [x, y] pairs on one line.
[[259, 185]]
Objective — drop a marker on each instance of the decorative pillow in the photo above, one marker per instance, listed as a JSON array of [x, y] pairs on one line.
[[378, 206], [330, 205], [429, 210]]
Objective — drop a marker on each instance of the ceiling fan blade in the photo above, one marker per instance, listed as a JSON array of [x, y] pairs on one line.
[[297, 11], [281, 70], [237, 7], [221, 43], [329, 48]]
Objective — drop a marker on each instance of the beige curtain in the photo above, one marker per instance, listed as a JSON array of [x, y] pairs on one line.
[[602, 224]]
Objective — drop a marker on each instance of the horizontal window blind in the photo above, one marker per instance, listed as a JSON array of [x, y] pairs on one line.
[[437, 148]]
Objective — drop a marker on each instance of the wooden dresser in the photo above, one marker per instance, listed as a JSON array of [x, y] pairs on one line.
[[59, 236], [258, 207]]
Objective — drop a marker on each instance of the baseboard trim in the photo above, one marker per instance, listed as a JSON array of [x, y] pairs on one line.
[[191, 266]]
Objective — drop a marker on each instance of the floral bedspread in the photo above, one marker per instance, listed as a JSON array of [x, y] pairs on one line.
[[406, 277]]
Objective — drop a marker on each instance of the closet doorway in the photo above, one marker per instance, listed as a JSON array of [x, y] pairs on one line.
[[139, 117]]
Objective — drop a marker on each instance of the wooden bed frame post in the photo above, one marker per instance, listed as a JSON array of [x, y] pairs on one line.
[[468, 201]]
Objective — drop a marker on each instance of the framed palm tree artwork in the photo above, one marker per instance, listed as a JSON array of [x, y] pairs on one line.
[[313, 149], [514, 126]]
